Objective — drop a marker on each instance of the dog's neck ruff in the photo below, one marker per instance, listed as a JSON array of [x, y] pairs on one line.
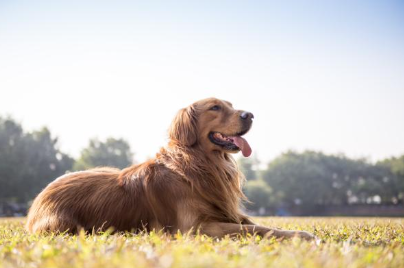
[[217, 180]]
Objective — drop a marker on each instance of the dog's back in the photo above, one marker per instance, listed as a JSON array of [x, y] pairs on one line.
[[92, 199]]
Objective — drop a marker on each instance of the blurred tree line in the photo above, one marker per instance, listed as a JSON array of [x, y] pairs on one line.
[[307, 180]]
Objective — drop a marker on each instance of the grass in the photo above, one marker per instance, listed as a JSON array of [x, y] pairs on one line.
[[347, 242]]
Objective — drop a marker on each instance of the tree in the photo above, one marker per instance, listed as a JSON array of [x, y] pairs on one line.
[[28, 161], [312, 178], [248, 166], [258, 193], [396, 166], [112, 152]]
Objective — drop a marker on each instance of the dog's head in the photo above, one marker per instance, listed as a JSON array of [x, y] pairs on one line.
[[214, 125]]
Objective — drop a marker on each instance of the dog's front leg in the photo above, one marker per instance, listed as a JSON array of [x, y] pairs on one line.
[[220, 229]]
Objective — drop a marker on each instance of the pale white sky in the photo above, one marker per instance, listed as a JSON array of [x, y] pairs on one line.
[[325, 75]]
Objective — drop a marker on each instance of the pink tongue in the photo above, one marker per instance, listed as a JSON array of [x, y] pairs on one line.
[[243, 145]]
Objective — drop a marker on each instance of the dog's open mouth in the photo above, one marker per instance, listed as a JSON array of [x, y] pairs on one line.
[[231, 143]]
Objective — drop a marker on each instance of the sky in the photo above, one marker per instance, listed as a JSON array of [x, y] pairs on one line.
[[318, 75]]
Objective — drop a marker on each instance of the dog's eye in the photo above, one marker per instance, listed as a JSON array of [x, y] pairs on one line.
[[215, 108]]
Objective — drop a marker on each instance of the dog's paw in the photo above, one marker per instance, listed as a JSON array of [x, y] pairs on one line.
[[306, 236]]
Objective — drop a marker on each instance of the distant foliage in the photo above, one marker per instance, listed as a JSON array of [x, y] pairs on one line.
[[313, 178], [112, 152], [28, 161], [310, 180], [396, 166], [249, 167], [259, 194]]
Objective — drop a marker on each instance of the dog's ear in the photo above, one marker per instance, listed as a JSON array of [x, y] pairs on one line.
[[183, 127]]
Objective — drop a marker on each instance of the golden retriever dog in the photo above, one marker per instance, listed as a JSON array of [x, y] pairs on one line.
[[192, 185]]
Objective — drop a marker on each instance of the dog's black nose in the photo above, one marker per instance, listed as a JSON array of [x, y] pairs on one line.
[[246, 115]]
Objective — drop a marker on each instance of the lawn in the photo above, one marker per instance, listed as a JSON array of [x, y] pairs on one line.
[[346, 242]]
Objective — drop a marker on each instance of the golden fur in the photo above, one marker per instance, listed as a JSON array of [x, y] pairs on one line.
[[192, 184]]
